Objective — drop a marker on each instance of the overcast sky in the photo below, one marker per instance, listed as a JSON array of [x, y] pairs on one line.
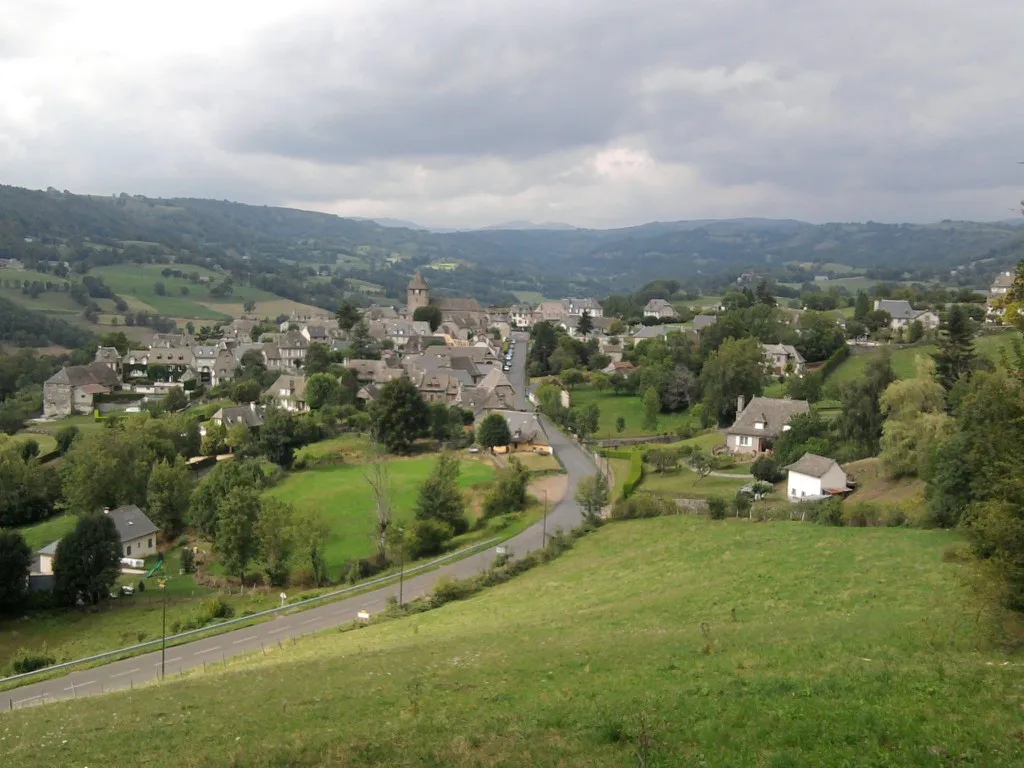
[[469, 112]]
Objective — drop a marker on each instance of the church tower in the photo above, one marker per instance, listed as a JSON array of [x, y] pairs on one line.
[[417, 294]]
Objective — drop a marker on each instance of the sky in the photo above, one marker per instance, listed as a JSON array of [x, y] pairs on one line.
[[461, 113]]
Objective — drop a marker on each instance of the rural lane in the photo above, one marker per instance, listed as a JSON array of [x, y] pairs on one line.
[[144, 669]]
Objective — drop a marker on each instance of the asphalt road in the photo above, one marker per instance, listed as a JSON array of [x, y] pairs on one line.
[[517, 376], [146, 668]]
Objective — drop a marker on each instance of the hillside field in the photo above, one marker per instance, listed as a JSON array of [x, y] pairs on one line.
[[686, 641], [903, 358], [342, 495]]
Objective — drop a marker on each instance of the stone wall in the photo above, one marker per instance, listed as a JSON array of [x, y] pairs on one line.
[[57, 400]]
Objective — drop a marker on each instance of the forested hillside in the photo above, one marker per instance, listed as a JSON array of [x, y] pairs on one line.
[[319, 258]]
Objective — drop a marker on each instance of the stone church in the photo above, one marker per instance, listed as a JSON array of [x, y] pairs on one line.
[[466, 312]]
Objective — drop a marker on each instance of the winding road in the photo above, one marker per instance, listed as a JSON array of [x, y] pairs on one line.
[[144, 669]]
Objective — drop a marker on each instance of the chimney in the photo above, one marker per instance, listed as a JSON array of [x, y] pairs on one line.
[[739, 405]]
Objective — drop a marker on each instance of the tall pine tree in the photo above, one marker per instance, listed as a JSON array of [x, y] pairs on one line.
[[956, 357]]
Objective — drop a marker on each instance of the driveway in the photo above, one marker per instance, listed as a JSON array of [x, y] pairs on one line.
[[146, 669]]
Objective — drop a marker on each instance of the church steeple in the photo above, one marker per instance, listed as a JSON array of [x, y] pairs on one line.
[[418, 293]]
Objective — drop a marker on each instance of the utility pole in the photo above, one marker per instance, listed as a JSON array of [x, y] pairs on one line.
[[163, 630], [544, 523], [401, 565]]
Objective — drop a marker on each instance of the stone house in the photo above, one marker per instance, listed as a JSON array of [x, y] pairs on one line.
[[289, 392], [659, 308], [784, 359], [73, 389]]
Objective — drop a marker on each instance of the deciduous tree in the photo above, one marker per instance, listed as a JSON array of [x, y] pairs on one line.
[[493, 431], [87, 561], [399, 415], [168, 494], [592, 496], [236, 543], [15, 563], [440, 497]]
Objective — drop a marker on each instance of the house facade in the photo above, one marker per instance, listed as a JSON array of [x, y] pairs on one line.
[[784, 359], [814, 477], [73, 389], [289, 393], [902, 314], [997, 293], [138, 533], [759, 423]]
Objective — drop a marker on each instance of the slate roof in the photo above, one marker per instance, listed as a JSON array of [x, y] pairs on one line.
[[658, 305], [293, 382], [494, 379], [525, 427], [252, 416], [131, 522], [700, 322], [107, 355], [812, 465], [783, 349], [316, 331], [82, 375], [418, 283], [775, 413], [1003, 280], [898, 309], [49, 549], [446, 304], [292, 340]]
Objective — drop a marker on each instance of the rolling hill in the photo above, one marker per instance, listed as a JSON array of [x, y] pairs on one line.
[[671, 641]]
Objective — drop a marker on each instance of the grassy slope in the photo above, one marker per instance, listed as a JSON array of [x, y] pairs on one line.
[[343, 497], [137, 282], [820, 647], [630, 408], [903, 359], [39, 535]]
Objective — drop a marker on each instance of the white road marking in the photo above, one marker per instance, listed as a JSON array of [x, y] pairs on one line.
[[30, 698], [200, 653], [279, 629], [310, 621], [122, 674], [244, 639], [169, 661], [79, 685]]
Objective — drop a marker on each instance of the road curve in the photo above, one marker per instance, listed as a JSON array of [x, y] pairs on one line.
[[140, 670]]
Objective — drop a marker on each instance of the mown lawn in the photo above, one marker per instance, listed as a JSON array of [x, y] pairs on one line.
[[342, 495], [692, 642], [684, 483], [628, 407]]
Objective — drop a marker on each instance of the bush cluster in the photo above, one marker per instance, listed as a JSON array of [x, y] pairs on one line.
[[30, 660], [643, 505]]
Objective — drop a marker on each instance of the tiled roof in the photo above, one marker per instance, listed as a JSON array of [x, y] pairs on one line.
[[812, 465]]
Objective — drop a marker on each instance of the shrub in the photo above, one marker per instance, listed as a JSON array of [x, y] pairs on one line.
[[30, 660], [211, 610], [188, 560], [828, 512], [428, 537], [741, 504], [717, 508], [636, 474], [723, 461], [767, 469], [643, 505], [450, 590]]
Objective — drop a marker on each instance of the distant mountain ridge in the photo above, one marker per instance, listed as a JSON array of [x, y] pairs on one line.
[[495, 262]]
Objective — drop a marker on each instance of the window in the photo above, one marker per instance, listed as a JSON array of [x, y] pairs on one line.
[[746, 441], [792, 491], [128, 551], [758, 425], [150, 544]]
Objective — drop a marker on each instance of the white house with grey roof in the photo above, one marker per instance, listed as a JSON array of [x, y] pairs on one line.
[[760, 422], [814, 477], [902, 314], [659, 308]]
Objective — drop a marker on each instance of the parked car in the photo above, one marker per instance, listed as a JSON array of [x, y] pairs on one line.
[[127, 589]]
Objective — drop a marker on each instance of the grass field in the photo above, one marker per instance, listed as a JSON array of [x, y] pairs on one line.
[[137, 283], [539, 462], [46, 442], [630, 408], [684, 483], [39, 535], [903, 359], [873, 486], [342, 495], [695, 643]]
